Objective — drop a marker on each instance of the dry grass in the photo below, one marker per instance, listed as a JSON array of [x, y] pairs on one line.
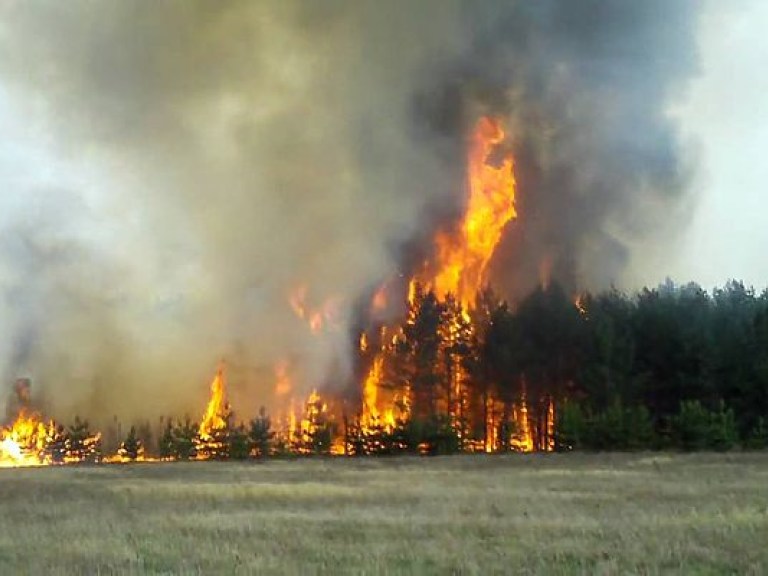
[[547, 514]]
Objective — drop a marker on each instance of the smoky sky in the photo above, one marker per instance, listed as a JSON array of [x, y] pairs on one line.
[[180, 168]]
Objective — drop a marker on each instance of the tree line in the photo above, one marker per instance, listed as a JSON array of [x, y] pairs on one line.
[[673, 367], [669, 367]]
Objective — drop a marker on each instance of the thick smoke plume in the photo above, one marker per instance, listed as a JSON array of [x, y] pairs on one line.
[[182, 168]]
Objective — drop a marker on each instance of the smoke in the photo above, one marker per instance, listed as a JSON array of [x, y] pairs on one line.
[[585, 88], [183, 167]]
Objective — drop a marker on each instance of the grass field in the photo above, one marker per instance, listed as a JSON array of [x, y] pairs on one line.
[[547, 514]]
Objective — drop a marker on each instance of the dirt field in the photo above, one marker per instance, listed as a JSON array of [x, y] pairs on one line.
[[547, 514]]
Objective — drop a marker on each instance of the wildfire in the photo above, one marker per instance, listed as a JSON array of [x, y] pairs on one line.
[[460, 269], [463, 258], [549, 441], [23, 443], [370, 392], [211, 437], [381, 410], [522, 439], [316, 432], [215, 411], [312, 425], [516, 431]]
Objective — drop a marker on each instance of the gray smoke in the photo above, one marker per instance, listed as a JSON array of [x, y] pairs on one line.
[[186, 166]]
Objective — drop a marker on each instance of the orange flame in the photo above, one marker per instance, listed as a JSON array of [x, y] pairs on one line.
[[370, 393], [549, 446], [22, 444], [463, 258], [522, 441], [215, 411]]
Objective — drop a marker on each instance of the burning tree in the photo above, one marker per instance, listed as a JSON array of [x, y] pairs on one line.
[[316, 430], [132, 448], [81, 445], [213, 437]]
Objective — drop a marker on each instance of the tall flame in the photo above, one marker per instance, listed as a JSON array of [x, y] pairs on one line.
[[370, 392], [460, 268], [463, 257], [215, 411]]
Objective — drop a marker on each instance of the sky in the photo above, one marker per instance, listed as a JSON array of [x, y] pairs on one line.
[[724, 118]]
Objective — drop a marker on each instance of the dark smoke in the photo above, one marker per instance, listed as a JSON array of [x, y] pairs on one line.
[[206, 158], [586, 88]]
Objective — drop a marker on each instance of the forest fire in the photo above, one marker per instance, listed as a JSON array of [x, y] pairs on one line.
[[29, 441], [450, 287], [211, 436], [23, 443], [415, 389]]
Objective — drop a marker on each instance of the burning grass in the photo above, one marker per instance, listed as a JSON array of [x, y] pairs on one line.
[[643, 513]]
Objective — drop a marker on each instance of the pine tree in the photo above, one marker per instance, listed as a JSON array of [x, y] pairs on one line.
[[261, 434], [184, 436], [418, 353], [216, 445], [81, 445], [321, 436], [167, 442], [758, 436], [722, 434], [607, 429], [456, 353], [56, 444], [639, 432], [146, 437], [239, 444], [691, 427], [131, 448]]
